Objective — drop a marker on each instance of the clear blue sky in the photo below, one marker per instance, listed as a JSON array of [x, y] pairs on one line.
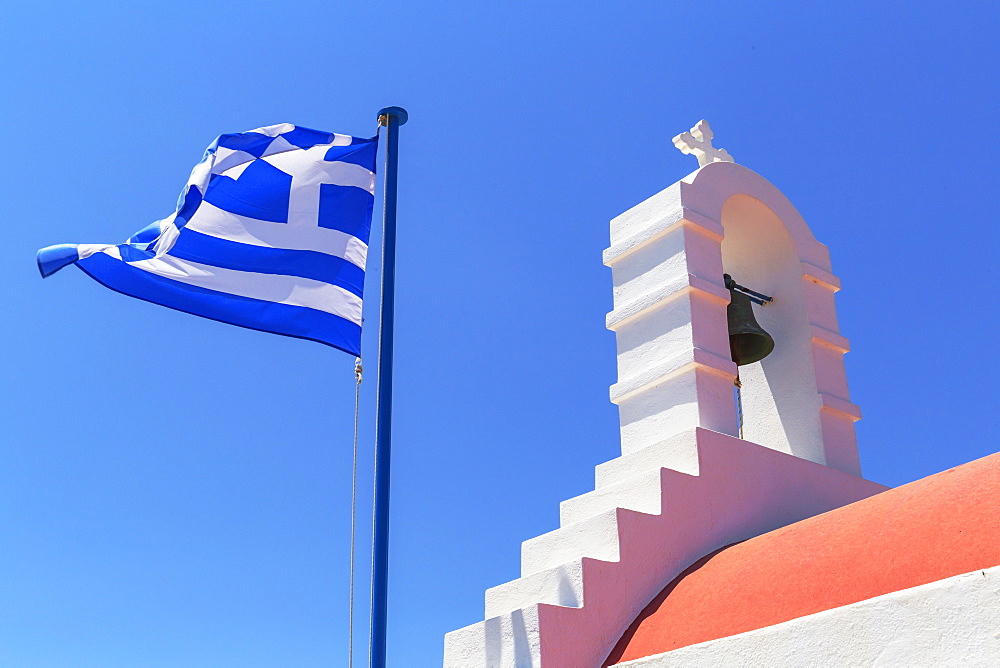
[[176, 492]]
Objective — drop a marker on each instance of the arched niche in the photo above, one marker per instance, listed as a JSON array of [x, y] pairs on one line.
[[781, 406], [796, 400]]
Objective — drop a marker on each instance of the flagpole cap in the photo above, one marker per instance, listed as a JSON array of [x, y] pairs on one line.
[[395, 112]]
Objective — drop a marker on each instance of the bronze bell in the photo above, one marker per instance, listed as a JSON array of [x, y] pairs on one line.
[[748, 342]]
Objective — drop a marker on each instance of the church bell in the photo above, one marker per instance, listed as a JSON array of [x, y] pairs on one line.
[[748, 342]]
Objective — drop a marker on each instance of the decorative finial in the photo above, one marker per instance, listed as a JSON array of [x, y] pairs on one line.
[[699, 142]]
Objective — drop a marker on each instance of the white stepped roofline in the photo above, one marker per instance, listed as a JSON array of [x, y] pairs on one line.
[[580, 605]]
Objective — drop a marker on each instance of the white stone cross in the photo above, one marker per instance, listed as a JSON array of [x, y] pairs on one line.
[[699, 142]]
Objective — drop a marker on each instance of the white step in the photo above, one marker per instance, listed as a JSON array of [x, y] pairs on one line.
[[595, 537], [679, 452], [642, 493], [562, 585], [506, 641]]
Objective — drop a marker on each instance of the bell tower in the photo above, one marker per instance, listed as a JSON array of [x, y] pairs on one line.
[[668, 258], [686, 483]]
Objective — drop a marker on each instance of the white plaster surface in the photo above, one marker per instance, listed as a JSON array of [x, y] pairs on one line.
[[952, 622], [584, 583], [510, 641], [679, 452]]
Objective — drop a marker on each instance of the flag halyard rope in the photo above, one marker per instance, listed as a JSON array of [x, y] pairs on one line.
[[354, 505], [739, 402]]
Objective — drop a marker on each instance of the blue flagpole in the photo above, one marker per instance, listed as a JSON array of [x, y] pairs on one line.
[[391, 118]]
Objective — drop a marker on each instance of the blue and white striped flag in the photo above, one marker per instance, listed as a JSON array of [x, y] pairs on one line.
[[271, 233]]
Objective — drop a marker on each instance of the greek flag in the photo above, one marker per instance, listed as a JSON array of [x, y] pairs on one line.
[[270, 233]]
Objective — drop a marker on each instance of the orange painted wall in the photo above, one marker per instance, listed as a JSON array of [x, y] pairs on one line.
[[928, 530]]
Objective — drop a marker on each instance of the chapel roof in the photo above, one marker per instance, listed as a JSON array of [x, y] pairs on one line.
[[943, 525]]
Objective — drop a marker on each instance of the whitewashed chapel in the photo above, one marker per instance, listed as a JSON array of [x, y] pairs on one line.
[[736, 527]]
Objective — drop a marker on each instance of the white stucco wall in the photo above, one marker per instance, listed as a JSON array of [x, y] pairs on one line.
[[667, 258], [952, 622], [685, 484]]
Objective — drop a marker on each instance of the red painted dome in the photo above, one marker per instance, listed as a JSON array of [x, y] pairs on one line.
[[928, 530]]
